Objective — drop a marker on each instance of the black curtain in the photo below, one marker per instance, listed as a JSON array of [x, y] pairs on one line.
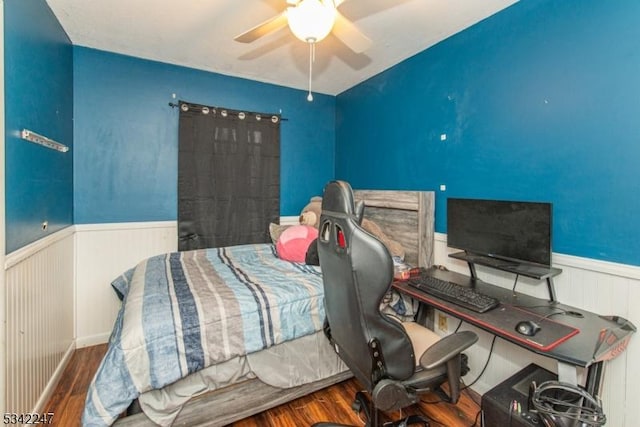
[[228, 176]]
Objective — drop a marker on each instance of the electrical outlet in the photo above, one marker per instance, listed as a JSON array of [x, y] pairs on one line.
[[442, 322]]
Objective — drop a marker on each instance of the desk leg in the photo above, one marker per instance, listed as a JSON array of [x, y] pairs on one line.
[[594, 378], [567, 373], [426, 316]]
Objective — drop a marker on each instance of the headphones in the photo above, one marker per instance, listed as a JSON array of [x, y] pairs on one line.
[[562, 405]]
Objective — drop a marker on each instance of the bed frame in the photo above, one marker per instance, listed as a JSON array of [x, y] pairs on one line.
[[405, 216]]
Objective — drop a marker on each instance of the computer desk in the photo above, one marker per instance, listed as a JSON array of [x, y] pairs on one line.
[[574, 337]]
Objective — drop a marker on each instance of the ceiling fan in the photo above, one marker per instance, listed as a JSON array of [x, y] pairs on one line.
[[311, 21]]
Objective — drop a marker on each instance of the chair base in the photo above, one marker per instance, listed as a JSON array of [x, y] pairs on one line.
[[372, 416]]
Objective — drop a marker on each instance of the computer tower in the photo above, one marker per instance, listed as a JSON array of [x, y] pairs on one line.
[[506, 403]]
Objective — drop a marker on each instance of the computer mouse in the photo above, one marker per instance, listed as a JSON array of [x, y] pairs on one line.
[[527, 327]]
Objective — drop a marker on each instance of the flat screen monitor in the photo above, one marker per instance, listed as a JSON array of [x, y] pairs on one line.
[[509, 230]]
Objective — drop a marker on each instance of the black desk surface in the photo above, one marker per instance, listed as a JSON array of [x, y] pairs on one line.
[[573, 335]]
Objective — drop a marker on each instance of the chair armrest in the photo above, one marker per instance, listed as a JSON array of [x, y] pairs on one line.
[[447, 348]]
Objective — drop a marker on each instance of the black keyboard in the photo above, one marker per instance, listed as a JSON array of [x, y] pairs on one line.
[[454, 293]]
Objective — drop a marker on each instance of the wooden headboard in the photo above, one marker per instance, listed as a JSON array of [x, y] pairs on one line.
[[405, 216]]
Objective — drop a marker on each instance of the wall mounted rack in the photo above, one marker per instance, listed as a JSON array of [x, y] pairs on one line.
[[43, 140]]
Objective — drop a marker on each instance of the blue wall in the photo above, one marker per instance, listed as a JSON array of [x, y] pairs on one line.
[[127, 136], [38, 97], [538, 102]]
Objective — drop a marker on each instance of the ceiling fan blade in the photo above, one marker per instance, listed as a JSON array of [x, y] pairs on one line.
[[350, 35], [269, 26]]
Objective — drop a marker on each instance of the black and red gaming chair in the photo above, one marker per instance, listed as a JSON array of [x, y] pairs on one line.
[[382, 352]]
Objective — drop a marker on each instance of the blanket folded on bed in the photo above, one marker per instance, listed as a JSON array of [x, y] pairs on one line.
[[185, 311]]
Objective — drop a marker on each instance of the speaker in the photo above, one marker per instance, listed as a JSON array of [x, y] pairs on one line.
[[508, 404]]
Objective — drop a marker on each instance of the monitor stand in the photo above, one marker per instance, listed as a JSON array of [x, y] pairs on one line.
[[534, 271]]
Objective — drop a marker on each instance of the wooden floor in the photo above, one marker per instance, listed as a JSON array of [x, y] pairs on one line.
[[330, 404]]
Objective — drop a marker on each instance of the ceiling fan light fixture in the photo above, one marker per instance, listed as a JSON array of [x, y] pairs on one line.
[[311, 20]]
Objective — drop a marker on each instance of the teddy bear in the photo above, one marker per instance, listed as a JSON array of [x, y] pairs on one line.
[[310, 215]]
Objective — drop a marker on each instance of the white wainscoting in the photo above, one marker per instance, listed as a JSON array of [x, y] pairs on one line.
[[40, 319], [601, 287], [58, 297], [103, 252], [106, 250], [289, 220]]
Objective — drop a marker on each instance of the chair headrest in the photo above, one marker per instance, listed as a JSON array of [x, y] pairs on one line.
[[338, 198]]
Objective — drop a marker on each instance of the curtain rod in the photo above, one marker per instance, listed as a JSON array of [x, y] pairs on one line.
[[174, 105]]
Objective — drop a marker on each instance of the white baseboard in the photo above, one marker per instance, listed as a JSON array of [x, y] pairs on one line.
[[53, 382], [89, 341]]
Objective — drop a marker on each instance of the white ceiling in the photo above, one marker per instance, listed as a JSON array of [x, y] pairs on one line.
[[199, 34]]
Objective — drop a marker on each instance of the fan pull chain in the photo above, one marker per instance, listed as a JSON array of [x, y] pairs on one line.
[[312, 58]]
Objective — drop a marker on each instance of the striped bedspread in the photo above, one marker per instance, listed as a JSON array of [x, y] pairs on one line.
[[184, 311]]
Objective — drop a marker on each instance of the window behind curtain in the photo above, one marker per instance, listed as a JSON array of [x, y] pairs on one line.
[[228, 176]]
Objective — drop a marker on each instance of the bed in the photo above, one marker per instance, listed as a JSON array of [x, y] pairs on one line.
[[244, 330]]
